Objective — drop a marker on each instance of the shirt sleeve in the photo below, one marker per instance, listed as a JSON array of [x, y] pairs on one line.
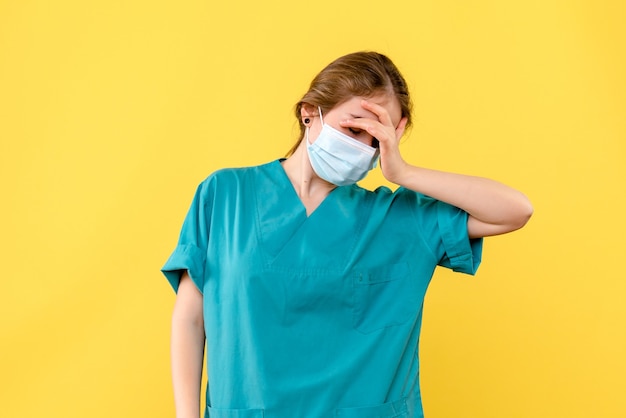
[[191, 251], [444, 229], [462, 254]]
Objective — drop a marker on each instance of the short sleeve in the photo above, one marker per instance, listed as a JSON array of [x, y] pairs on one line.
[[190, 252], [444, 229], [462, 254]]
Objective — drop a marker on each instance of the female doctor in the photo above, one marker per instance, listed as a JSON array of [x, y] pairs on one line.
[[308, 289]]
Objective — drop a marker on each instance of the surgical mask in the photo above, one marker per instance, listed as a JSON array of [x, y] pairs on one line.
[[338, 158]]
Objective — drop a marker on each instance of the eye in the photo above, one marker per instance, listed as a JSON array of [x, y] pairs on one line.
[[355, 131]]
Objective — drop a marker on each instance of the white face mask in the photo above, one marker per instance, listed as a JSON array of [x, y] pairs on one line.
[[338, 158]]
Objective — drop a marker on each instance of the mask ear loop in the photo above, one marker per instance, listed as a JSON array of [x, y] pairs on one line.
[[319, 109]]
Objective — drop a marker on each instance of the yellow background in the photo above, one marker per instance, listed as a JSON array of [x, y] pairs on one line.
[[111, 112]]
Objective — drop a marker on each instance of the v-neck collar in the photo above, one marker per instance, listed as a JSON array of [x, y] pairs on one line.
[[291, 190], [285, 231]]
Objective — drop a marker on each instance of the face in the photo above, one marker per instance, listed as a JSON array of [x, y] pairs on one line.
[[352, 109]]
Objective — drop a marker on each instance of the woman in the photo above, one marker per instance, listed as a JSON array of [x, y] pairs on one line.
[[309, 289]]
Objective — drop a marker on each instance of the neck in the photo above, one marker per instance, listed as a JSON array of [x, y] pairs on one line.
[[303, 178]]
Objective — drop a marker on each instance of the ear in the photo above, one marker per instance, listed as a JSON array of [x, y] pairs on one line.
[[308, 110]]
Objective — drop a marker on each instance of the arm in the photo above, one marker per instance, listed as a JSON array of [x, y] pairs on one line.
[[187, 348], [493, 208]]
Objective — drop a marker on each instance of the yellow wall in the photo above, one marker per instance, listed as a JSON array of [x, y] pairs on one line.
[[112, 111]]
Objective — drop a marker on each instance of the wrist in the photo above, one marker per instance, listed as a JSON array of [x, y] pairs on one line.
[[400, 174]]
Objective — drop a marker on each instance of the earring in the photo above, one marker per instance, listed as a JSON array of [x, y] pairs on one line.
[[307, 121]]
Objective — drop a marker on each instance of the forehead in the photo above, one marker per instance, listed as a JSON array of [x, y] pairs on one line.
[[389, 102]]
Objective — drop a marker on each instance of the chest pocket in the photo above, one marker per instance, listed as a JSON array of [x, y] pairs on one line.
[[383, 297], [233, 413]]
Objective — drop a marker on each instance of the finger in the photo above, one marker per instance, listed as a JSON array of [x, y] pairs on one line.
[[373, 128], [401, 127], [379, 111], [364, 124]]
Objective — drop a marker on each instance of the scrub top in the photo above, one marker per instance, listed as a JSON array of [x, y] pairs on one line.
[[314, 316]]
